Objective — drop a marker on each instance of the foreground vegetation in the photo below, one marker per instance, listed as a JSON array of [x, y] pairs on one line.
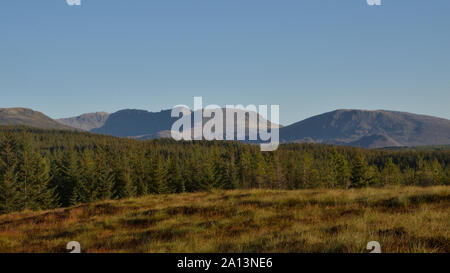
[[402, 219], [45, 169]]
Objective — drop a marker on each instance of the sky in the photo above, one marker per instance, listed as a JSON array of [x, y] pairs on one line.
[[308, 56]]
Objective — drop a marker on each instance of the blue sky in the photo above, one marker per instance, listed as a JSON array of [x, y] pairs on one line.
[[308, 56]]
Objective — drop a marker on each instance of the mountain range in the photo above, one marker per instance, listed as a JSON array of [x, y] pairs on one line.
[[362, 128], [86, 122], [28, 117]]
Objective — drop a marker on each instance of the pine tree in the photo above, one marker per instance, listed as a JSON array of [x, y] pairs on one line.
[[373, 176], [192, 175], [437, 173], [341, 170], [34, 178], [245, 169], [158, 176], [208, 179], [124, 187], [409, 176], [258, 171], [105, 177], [44, 195], [84, 187], [10, 199], [307, 174], [225, 172], [358, 173], [140, 174], [175, 180], [391, 174], [67, 177]]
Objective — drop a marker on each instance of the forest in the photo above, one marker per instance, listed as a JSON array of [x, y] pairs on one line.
[[45, 169]]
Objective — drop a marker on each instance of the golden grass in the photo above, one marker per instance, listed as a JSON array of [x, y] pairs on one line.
[[405, 219]]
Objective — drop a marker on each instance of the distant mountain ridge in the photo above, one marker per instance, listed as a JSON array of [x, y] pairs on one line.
[[133, 122], [143, 124], [28, 117], [361, 128], [369, 129], [87, 121]]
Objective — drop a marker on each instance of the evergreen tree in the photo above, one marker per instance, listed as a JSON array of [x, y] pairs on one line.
[[10, 199], [341, 170], [391, 173], [358, 173], [67, 177], [105, 177], [84, 189], [244, 169], [44, 195], [140, 175], [192, 175], [306, 172], [175, 180], [33, 175], [159, 177], [258, 171], [208, 179], [124, 187], [437, 173]]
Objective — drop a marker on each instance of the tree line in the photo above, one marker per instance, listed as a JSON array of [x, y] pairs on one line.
[[44, 169]]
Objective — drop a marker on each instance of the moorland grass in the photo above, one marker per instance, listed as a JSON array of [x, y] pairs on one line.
[[402, 219]]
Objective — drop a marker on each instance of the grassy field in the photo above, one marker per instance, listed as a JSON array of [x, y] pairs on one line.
[[406, 219]]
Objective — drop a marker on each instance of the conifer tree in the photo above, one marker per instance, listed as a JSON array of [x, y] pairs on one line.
[[358, 173], [192, 175], [10, 199], [175, 180], [44, 195], [140, 175], [208, 179], [437, 172], [391, 173], [306, 171], [258, 171], [105, 177], [67, 177], [244, 169], [84, 190], [34, 178], [124, 187], [341, 170], [159, 176]]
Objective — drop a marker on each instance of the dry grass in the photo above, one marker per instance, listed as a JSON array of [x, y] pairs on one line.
[[406, 219]]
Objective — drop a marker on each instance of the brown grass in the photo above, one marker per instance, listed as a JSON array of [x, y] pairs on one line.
[[406, 219]]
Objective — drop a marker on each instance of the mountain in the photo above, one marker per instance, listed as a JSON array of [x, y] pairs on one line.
[[369, 129], [28, 117], [361, 128], [143, 124], [133, 123], [86, 122]]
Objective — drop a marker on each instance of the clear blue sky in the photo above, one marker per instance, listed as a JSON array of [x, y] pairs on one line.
[[308, 56]]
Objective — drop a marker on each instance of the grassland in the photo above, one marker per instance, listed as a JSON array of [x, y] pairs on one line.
[[406, 219]]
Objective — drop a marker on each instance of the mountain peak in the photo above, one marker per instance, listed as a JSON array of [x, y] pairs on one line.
[[28, 117], [87, 121], [379, 128]]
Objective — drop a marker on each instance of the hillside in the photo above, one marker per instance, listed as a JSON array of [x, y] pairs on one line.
[[28, 117], [369, 129], [87, 121], [407, 219], [143, 124], [359, 128]]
